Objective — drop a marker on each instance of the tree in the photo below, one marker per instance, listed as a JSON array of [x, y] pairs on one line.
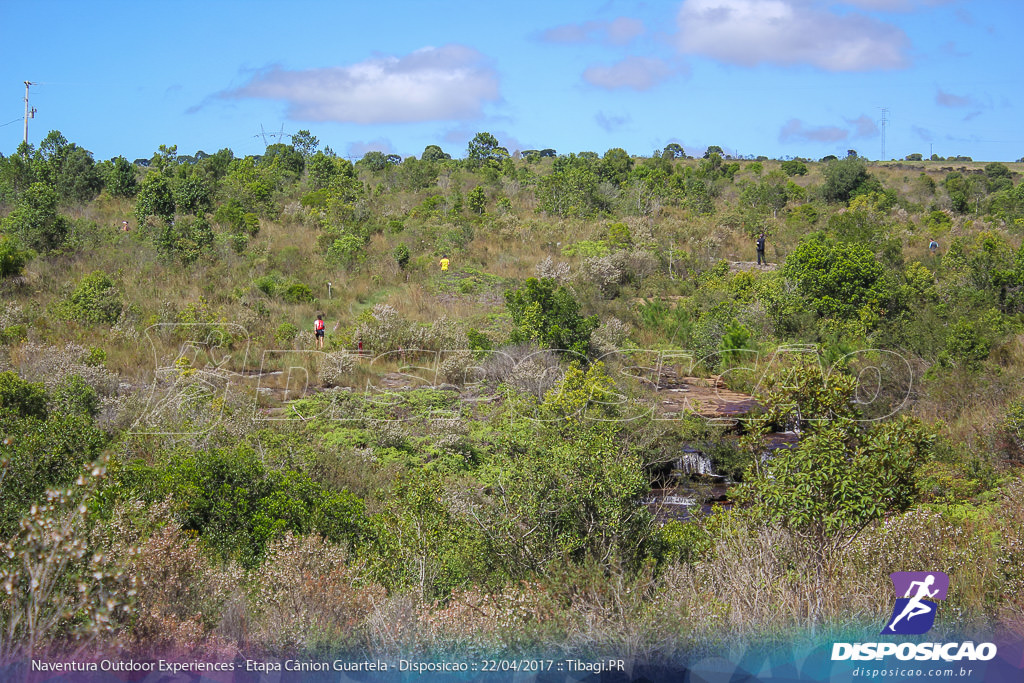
[[155, 198], [559, 498], [846, 178], [252, 184], [192, 193], [374, 161], [571, 190], [68, 168], [434, 153], [914, 157], [120, 178], [16, 173], [305, 143], [998, 176], [477, 199], [401, 255], [713, 149], [615, 166], [484, 147], [35, 221], [165, 160], [673, 150], [546, 313], [217, 165], [794, 167], [95, 300], [286, 157], [769, 194], [837, 278]]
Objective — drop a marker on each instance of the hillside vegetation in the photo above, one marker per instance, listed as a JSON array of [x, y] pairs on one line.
[[466, 465]]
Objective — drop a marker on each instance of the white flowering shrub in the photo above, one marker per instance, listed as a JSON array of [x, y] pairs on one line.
[[522, 367], [384, 330], [306, 595], [609, 336], [556, 270], [604, 273], [57, 592], [181, 594], [335, 367]]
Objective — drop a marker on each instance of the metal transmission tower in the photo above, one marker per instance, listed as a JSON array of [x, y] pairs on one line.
[[885, 120], [264, 134], [29, 113]]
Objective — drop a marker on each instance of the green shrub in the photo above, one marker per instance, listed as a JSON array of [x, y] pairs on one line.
[[75, 396], [13, 334], [401, 255], [21, 397], [268, 284], [184, 239], [794, 167], [238, 243], [237, 506], [95, 300], [155, 198], [938, 221], [547, 314], [297, 292], [346, 249], [619, 235], [12, 257], [847, 178], [41, 453], [95, 357], [839, 279], [285, 333], [35, 220], [587, 248]]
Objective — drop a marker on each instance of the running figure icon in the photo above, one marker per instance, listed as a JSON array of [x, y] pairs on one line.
[[914, 612], [915, 607]]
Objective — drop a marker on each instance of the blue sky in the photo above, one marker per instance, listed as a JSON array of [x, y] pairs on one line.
[[774, 77]]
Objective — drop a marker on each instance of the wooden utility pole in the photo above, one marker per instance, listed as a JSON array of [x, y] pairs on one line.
[[29, 113]]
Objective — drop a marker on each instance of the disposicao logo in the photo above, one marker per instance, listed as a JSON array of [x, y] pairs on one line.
[[914, 613]]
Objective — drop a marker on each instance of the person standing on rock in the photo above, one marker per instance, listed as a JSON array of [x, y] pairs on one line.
[[760, 250]]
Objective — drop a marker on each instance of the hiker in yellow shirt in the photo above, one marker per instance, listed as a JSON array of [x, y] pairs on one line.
[[444, 264]]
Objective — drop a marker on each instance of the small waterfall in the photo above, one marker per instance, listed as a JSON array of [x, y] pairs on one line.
[[692, 461]]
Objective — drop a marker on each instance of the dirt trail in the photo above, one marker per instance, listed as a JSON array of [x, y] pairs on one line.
[[737, 266]]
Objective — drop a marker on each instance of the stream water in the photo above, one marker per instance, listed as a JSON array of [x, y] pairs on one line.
[[699, 488], [687, 500]]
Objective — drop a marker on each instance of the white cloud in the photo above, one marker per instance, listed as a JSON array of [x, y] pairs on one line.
[[923, 133], [636, 73], [357, 150], [611, 123], [893, 5], [619, 31], [451, 82], [795, 130], [864, 126], [947, 99], [751, 32]]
